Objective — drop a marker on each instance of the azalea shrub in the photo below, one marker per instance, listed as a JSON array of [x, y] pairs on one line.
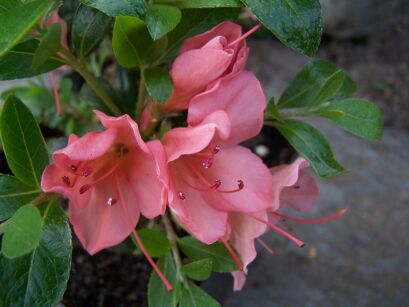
[[144, 107]]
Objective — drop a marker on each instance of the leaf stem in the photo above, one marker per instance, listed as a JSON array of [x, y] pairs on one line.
[[173, 244], [91, 80]]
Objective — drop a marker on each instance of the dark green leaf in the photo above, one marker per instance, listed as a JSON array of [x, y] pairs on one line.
[[193, 296], [40, 278], [17, 63], [161, 19], [195, 250], [155, 241], [14, 194], [310, 81], [296, 23], [330, 88], [68, 9], [23, 143], [158, 295], [189, 4], [115, 8], [158, 83], [357, 116], [49, 45], [22, 234], [312, 145], [132, 43], [272, 110], [198, 270], [88, 29], [16, 18]]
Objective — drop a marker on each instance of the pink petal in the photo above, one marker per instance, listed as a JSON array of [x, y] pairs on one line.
[[241, 97], [184, 141], [239, 279], [239, 163], [99, 225]]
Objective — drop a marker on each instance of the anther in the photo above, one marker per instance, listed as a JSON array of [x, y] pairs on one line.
[[182, 195], [66, 180], [208, 163], [240, 184], [85, 188], [111, 201], [216, 149], [86, 172], [217, 183], [73, 168]]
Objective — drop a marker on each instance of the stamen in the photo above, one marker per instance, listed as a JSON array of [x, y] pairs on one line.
[[216, 149], [324, 219], [138, 240], [56, 94], [111, 201], [85, 188], [245, 35], [66, 180], [266, 247], [214, 186], [86, 172], [73, 168], [233, 254], [208, 163], [279, 230], [240, 186], [182, 195]]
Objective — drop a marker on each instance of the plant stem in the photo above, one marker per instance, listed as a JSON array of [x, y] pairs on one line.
[[91, 80], [173, 244], [140, 104]]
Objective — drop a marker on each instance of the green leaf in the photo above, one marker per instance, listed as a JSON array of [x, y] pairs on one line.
[[132, 43], [316, 78], [272, 110], [217, 252], [88, 29], [312, 145], [296, 23], [155, 241], [158, 295], [40, 278], [49, 45], [14, 194], [193, 296], [357, 116], [16, 18], [158, 83], [198, 270], [115, 8], [23, 232], [189, 4], [17, 63], [161, 19], [23, 143]]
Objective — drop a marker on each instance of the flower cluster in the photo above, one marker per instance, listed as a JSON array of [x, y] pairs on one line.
[[217, 190]]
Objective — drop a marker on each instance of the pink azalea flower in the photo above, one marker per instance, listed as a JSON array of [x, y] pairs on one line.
[[204, 58], [110, 178]]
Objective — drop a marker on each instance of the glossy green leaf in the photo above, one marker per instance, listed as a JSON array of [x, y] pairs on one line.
[[115, 8], [23, 232], [311, 80], [161, 19], [16, 18], [296, 23], [40, 278], [23, 143], [13, 195], [155, 242], [357, 116], [198, 270], [217, 252], [158, 295], [132, 43], [158, 83], [193, 296], [49, 45], [330, 88], [17, 63], [312, 145], [189, 4], [88, 29], [272, 110]]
